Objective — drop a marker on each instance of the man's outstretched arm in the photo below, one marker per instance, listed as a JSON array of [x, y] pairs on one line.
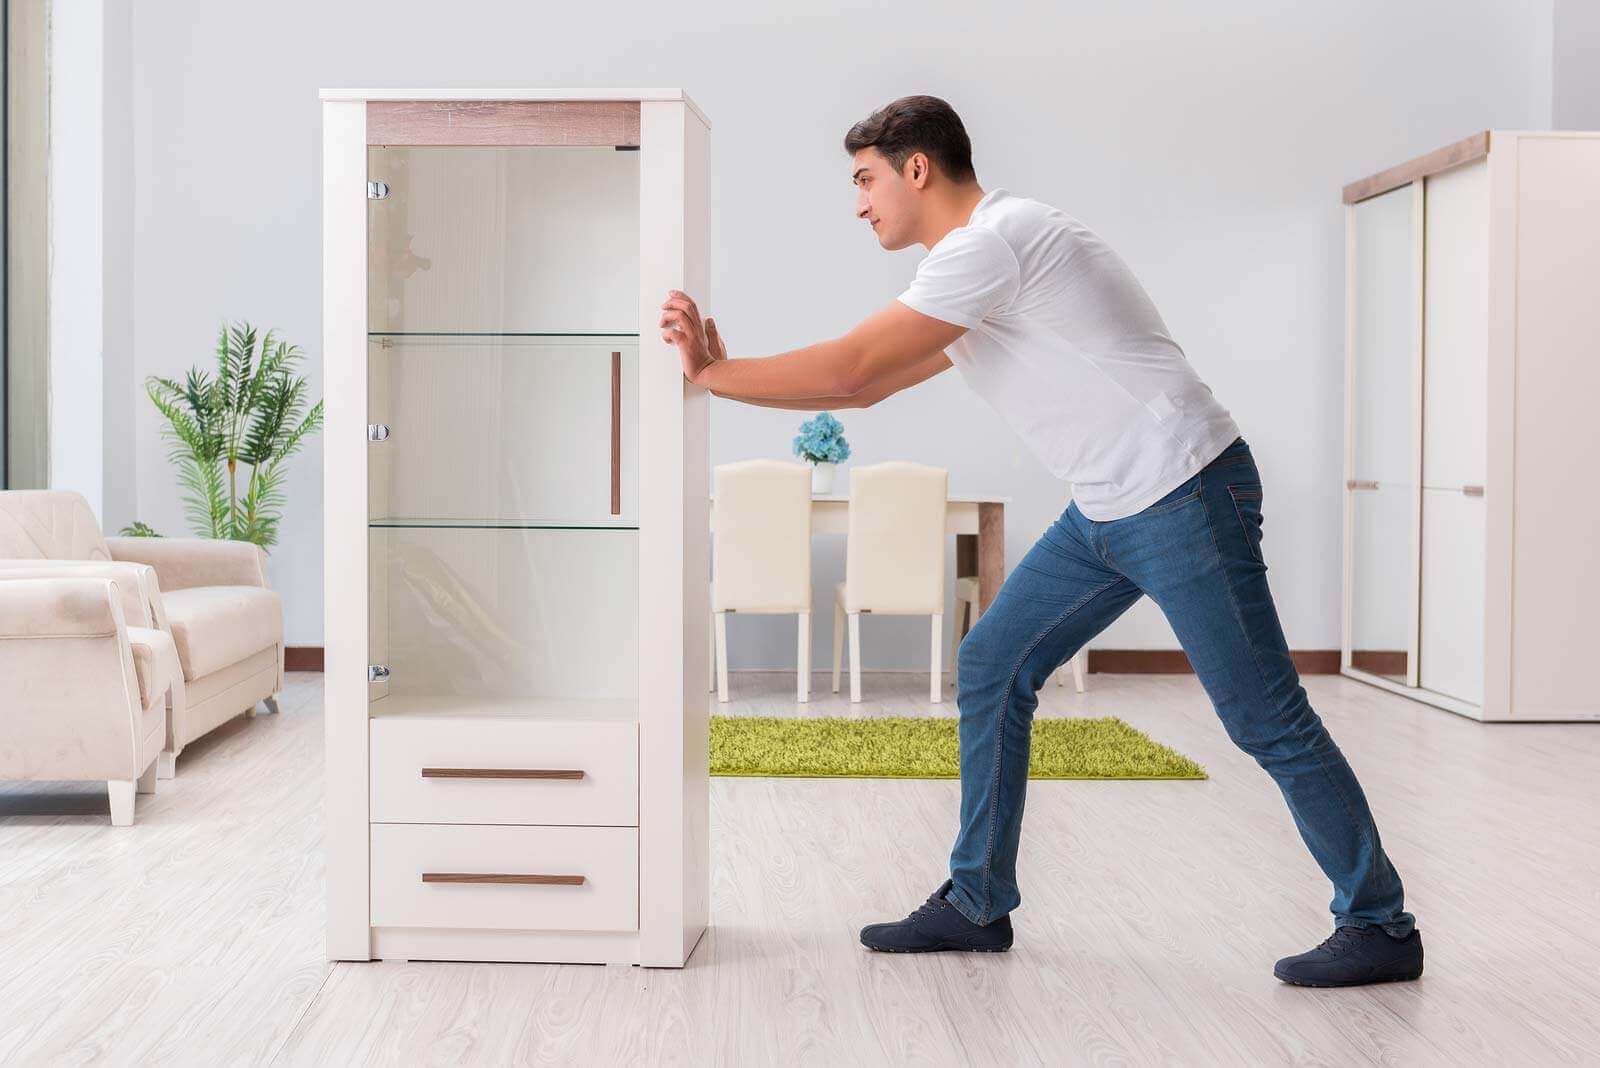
[[885, 387], [891, 349]]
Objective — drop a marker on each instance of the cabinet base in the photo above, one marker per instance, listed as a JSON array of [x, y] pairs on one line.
[[512, 947]]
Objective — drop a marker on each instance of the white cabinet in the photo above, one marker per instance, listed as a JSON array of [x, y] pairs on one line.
[[516, 481], [1472, 545]]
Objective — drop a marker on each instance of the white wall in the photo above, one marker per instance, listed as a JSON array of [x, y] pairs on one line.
[[1208, 143], [1575, 93]]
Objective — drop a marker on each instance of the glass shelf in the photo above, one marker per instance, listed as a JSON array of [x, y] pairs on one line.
[[453, 706], [497, 333], [448, 523]]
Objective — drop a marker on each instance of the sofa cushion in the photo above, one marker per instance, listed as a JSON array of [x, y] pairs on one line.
[[216, 626]]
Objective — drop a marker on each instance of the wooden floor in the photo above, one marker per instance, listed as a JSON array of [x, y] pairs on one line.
[[1152, 913]]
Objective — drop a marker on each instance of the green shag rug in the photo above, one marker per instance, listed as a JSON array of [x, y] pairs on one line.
[[926, 748]]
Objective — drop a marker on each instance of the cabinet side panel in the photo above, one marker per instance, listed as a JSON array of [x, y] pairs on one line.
[[1556, 555], [673, 546], [697, 554], [344, 445]]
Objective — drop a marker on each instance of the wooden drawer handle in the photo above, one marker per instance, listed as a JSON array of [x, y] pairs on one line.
[[502, 880], [501, 773]]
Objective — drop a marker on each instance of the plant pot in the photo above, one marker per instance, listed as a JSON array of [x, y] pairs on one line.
[[822, 477]]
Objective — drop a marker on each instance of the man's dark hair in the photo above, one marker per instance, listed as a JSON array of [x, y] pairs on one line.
[[913, 124]]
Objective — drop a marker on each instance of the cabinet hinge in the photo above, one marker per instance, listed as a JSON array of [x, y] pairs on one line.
[[377, 432], [376, 672], [377, 190]]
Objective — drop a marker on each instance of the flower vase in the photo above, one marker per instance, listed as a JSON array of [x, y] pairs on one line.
[[822, 477]]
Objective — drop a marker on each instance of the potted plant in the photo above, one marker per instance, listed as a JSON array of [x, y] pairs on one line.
[[821, 441], [252, 414]]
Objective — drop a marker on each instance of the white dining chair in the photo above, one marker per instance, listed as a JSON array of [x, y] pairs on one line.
[[894, 559], [968, 596], [761, 555]]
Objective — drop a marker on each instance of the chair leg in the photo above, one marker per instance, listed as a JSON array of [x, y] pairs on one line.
[[803, 657], [936, 677], [838, 641], [722, 657], [1077, 668], [120, 792], [855, 657], [146, 783], [166, 764], [955, 640]]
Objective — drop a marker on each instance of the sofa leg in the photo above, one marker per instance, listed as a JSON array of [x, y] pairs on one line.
[[121, 793], [271, 701], [166, 765], [147, 781], [250, 713]]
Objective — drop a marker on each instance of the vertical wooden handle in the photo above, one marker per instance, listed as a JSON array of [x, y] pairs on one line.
[[616, 433]]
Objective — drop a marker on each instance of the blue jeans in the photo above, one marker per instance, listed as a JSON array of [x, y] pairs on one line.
[[1197, 553]]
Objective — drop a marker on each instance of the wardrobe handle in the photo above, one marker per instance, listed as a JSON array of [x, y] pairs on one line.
[[616, 433], [502, 880], [1472, 491], [500, 773], [1360, 483]]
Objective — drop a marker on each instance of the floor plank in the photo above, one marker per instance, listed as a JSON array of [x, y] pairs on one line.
[[1152, 912]]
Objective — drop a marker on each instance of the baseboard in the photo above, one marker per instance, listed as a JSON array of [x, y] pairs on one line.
[[302, 658], [1101, 661]]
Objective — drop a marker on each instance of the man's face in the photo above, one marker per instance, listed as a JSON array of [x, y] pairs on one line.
[[885, 198]]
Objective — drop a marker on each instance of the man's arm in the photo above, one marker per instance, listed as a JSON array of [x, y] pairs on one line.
[[888, 345], [885, 387]]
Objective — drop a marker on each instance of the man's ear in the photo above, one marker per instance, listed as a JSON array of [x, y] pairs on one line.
[[917, 170]]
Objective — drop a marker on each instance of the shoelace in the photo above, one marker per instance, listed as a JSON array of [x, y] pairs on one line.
[[926, 909], [1341, 939]]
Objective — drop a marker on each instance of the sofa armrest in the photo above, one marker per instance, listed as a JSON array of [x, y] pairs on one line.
[[68, 682], [184, 563], [59, 608], [136, 584]]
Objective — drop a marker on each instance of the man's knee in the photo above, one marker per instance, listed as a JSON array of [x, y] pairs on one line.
[[980, 657]]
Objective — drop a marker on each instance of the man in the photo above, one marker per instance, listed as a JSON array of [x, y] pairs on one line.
[[1049, 326]]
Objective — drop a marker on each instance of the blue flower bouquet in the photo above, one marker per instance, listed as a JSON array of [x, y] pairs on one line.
[[821, 441]]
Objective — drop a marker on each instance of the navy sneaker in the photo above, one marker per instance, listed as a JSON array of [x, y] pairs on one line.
[[1355, 956], [937, 926]]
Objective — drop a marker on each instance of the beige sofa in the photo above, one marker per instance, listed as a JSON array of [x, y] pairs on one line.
[[86, 681], [209, 597]]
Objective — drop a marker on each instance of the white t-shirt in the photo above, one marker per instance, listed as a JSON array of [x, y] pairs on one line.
[[1065, 344]]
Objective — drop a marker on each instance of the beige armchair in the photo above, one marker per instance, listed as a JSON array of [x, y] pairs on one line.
[[83, 693], [209, 597]]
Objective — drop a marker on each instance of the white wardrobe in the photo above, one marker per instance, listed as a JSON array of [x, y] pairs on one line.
[[517, 526], [1472, 405]]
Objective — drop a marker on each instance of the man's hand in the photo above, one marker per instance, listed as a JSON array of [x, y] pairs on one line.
[[699, 344]]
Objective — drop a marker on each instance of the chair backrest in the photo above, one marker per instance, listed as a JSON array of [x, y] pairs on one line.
[[894, 559], [762, 551], [49, 525]]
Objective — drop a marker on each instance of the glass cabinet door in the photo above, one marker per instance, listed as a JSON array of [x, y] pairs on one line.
[[502, 373], [1383, 489]]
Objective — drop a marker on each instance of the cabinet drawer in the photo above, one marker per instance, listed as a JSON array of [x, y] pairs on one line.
[[504, 769], [505, 878]]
